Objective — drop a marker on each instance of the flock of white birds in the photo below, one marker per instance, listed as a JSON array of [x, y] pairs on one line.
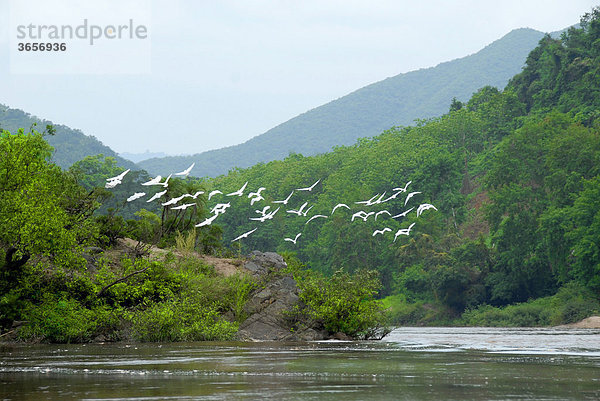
[[267, 214]]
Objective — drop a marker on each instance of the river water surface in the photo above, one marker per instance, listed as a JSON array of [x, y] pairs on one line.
[[409, 364]]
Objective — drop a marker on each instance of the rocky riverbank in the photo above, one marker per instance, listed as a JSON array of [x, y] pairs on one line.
[[271, 308]]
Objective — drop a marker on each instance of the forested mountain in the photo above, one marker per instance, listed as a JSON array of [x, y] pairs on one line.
[[514, 175], [70, 145], [397, 100]]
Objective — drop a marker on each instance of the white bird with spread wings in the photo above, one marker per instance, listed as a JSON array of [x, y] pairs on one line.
[[119, 177], [286, 200], [309, 188], [424, 206], [239, 192], [157, 195], [294, 240], [339, 205], [382, 231], [403, 231], [135, 196], [244, 235], [186, 172], [153, 181]]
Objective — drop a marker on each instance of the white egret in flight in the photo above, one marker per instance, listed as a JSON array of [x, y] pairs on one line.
[[256, 196], [299, 211], [340, 205], [170, 202], [240, 191], [257, 193], [392, 196], [154, 181], [400, 189], [362, 214], [424, 206], [173, 200], [410, 195], [383, 231], [135, 196], [403, 231], [220, 208], [379, 200], [213, 193], [265, 217], [382, 212], [244, 235], [157, 195], [369, 202], [309, 188], [286, 200], [403, 214], [118, 177], [316, 216], [263, 211], [208, 221], [293, 240], [186, 172]]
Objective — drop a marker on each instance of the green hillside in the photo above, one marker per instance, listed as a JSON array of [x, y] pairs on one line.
[[397, 100], [70, 145], [514, 174]]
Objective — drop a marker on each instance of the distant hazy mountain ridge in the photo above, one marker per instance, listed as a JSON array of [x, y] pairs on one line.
[[138, 157], [366, 112], [70, 145]]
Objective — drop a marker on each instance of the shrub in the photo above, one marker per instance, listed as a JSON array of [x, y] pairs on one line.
[[180, 321], [185, 243], [241, 285], [343, 303], [571, 303], [63, 320], [400, 312]]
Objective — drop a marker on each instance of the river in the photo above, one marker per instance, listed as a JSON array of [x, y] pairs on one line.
[[409, 364]]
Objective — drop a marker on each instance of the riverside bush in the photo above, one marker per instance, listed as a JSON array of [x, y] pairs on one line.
[[401, 312], [241, 286], [343, 303], [180, 298], [64, 320], [571, 303], [178, 320]]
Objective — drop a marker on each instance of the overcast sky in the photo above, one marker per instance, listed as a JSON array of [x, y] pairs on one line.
[[221, 72]]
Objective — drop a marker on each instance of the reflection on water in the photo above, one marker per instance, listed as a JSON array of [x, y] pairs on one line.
[[410, 363]]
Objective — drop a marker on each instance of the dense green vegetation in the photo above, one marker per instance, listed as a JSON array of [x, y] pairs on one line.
[[515, 240], [366, 112], [65, 273], [515, 177]]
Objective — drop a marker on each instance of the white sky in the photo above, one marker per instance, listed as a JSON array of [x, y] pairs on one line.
[[225, 71]]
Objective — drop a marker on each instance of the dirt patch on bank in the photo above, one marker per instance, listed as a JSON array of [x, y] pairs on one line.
[[592, 322], [225, 267]]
